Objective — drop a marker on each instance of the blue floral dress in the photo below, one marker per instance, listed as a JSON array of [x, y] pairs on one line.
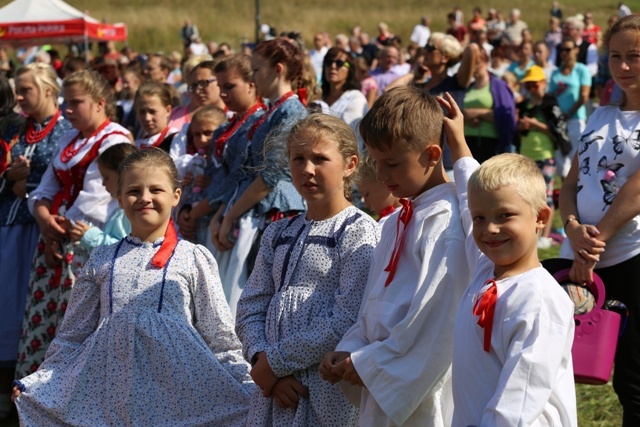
[[141, 345], [301, 298]]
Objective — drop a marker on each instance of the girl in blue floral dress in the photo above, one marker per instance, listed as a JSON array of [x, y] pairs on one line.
[[308, 282], [148, 337]]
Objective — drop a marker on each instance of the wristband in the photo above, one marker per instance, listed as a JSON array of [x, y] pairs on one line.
[[569, 219]]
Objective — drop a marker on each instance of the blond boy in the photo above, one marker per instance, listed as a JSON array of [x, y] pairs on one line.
[[395, 362], [514, 327]]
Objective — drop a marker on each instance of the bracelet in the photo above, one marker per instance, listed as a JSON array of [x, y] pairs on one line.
[[569, 219]]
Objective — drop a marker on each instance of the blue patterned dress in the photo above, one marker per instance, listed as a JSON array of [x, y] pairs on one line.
[[141, 345], [19, 234], [302, 296]]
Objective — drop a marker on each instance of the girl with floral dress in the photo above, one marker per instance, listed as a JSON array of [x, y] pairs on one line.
[[148, 338], [70, 190], [308, 282], [24, 156]]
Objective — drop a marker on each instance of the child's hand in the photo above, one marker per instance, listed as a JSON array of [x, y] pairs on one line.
[[287, 392], [348, 372], [77, 230], [328, 363], [19, 188], [16, 393], [20, 169], [453, 126], [214, 227], [225, 229], [262, 374]]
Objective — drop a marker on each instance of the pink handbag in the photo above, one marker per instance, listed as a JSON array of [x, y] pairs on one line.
[[596, 336]]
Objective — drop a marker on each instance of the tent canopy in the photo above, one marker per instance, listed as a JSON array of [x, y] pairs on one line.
[[30, 22]]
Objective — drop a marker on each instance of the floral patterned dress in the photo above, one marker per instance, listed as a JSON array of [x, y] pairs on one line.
[[302, 296], [142, 345]]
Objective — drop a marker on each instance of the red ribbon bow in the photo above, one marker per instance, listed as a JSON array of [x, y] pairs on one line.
[[169, 244], [405, 216], [485, 307]]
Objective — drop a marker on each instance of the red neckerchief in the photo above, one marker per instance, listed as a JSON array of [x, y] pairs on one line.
[[405, 216], [235, 123], [32, 136], [169, 244], [70, 152], [485, 307], [158, 141], [273, 108], [387, 211]]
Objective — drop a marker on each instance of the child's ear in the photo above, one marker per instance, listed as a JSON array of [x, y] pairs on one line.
[[119, 198], [100, 105], [544, 216], [433, 154], [176, 197], [351, 166], [280, 69]]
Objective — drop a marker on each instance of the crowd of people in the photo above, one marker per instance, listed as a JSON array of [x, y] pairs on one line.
[[189, 239]]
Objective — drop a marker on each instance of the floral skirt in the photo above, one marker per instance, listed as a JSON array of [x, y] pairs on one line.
[[47, 298]]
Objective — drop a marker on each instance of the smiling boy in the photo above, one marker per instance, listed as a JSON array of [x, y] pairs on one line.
[[514, 327]]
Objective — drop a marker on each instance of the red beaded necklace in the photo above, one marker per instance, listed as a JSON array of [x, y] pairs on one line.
[[273, 108], [32, 136], [233, 127], [70, 152]]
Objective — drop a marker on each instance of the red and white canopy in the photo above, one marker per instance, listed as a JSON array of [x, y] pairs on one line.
[[30, 22]]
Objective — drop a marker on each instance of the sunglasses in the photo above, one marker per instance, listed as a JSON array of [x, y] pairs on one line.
[[339, 63], [565, 49], [430, 48], [531, 85], [200, 84]]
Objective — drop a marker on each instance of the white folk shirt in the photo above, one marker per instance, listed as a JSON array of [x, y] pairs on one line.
[[402, 343], [526, 378], [91, 205]]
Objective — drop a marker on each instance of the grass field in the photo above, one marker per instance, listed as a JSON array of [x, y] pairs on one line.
[[154, 25]]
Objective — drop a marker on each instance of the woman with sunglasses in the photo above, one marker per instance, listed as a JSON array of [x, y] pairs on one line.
[[571, 83], [340, 89], [489, 113]]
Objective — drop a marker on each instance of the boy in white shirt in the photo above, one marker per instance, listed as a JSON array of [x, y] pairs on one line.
[[395, 362], [514, 327]]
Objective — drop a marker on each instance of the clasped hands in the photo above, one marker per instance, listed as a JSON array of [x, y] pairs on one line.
[[337, 366], [587, 248], [286, 391]]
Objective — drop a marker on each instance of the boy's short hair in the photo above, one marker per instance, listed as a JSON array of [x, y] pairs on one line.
[[404, 115], [512, 169], [366, 168]]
